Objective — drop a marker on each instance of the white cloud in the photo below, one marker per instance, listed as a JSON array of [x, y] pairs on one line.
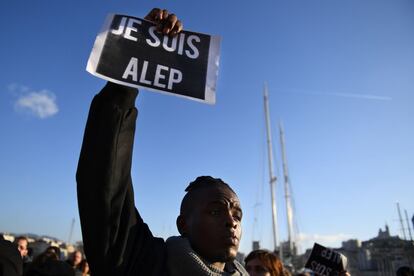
[[360, 96], [337, 94], [41, 104], [331, 240]]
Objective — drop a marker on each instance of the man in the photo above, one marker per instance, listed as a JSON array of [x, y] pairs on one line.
[[75, 260], [116, 240], [11, 262], [22, 245], [405, 271]]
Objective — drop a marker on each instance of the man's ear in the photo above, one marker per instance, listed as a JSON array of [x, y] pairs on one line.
[[182, 225]]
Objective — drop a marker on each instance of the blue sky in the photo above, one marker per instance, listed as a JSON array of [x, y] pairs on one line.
[[340, 77]]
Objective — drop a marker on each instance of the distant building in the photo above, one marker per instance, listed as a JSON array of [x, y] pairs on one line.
[[287, 252], [379, 256], [382, 255], [8, 237], [255, 245]]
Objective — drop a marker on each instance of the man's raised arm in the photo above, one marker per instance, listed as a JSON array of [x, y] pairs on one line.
[[116, 240]]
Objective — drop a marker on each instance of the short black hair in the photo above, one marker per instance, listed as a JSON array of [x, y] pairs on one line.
[[206, 181], [405, 271], [200, 183], [19, 238]]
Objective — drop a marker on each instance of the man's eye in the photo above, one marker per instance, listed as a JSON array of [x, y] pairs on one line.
[[237, 216]]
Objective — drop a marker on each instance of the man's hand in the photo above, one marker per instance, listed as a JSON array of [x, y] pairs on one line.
[[167, 23]]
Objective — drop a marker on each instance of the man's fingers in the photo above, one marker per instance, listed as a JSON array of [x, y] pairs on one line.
[[164, 15], [153, 15], [177, 28], [173, 26], [157, 15], [167, 23]]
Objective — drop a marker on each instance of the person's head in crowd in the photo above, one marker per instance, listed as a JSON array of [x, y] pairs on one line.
[[11, 262], [55, 250], [210, 218], [48, 264], [45, 256], [405, 271], [76, 258], [263, 263], [22, 245], [30, 252]]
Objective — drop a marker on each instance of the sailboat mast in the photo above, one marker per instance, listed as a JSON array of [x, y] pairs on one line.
[[71, 230], [401, 220], [408, 225], [271, 174], [289, 211]]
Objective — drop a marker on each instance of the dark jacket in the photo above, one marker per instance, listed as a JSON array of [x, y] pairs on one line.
[[116, 240], [11, 263]]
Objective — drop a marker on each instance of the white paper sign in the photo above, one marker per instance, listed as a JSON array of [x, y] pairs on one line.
[[129, 51]]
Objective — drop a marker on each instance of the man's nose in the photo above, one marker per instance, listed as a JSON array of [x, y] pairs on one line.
[[230, 220]]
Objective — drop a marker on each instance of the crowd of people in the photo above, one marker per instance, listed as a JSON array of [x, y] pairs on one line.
[[15, 259]]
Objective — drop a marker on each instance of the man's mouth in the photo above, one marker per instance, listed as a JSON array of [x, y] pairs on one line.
[[231, 240]]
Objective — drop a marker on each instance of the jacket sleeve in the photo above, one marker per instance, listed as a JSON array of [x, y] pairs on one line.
[[116, 240]]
